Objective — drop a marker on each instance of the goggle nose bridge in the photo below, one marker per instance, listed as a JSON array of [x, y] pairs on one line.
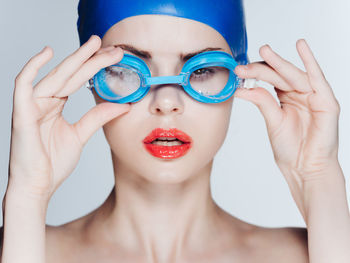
[[181, 79]]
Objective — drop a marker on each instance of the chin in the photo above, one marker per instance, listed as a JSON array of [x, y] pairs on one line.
[[166, 177], [150, 169]]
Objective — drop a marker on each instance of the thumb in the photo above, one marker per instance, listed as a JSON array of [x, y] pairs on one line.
[[267, 104], [97, 117]]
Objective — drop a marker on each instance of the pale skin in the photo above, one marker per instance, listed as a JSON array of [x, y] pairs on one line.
[[163, 211]]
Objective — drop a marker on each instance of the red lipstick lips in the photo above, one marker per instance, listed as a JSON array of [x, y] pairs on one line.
[[167, 144]]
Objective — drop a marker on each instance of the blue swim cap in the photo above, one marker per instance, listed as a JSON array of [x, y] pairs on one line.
[[225, 16]]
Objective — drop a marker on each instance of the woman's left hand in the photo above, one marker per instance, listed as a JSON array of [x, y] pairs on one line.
[[303, 129]]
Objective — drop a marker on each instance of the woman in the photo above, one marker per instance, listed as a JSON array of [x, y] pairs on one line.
[[161, 209]]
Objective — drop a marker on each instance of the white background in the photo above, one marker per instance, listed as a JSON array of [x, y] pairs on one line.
[[245, 181]]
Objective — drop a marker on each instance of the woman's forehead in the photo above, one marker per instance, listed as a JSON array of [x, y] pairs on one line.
[[162, 32]]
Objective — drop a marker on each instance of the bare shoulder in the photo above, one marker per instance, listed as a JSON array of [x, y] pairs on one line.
[[59, 242], [253, 243], [287, 244], [54, 243], [1, 240], [54, 239], [1, 236]]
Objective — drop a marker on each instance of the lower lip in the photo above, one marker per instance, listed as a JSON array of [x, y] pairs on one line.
[[167, 152]]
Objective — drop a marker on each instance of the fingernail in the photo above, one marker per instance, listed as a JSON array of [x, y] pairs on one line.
[[94, 36]]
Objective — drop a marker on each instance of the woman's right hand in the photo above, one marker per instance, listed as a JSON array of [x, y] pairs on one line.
[[45, 148]]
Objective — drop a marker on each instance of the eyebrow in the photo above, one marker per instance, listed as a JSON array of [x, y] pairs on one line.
[[147, 55]]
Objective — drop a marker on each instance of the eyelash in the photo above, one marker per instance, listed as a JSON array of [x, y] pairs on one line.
[[210, 70]]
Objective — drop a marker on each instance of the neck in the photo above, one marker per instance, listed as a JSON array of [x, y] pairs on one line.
[[159, 219]]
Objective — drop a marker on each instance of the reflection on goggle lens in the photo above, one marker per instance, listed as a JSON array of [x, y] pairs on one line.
[[209, 80], [121, 81], [206, 81]]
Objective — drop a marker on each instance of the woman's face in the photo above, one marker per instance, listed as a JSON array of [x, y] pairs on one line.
[[166, 106]]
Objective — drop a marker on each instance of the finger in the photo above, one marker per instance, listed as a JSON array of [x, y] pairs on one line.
[[89, 69], [262, 71], [24, 80], [97, 117], [315, 74], [294, 76], [267, 104], [104, 49], [61, 73], [73, 62]]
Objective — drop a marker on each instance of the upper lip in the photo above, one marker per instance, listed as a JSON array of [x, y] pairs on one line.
[[171, 133]]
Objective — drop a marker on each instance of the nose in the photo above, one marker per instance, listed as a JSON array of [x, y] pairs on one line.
[[166, 99]]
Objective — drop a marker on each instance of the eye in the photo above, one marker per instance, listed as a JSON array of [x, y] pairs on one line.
[[202, 73], [115, 72]]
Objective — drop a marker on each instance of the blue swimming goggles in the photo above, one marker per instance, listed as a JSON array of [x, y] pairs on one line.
[[207, 77]]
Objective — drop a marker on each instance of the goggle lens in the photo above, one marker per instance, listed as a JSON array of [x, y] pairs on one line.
[[209, 81]]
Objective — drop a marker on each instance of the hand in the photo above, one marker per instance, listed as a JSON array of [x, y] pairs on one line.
[[303, 129], [45, 148]]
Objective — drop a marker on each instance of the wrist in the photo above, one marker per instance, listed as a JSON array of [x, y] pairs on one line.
[[31, 191], [18, 207], [329, 171], [25, 195], [24, 225], [320, 187], [326, 198]]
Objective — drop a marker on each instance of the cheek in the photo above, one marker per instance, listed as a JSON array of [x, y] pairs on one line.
[[125, 133], [211, 130]]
